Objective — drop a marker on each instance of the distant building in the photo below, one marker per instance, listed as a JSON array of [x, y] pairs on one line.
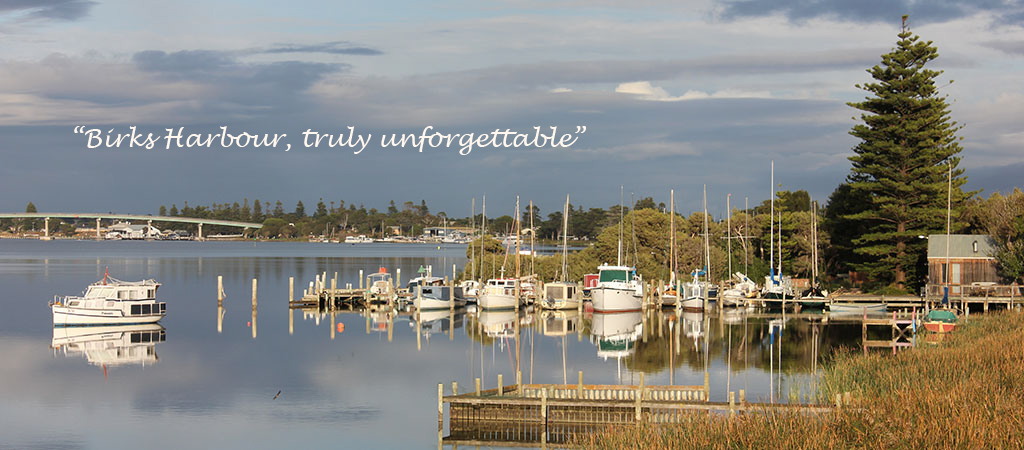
[[971, 260]]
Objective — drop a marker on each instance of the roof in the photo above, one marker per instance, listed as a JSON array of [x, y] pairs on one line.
[[961, 246]]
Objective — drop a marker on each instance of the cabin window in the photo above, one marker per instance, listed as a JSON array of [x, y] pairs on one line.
[[145, 309], [615, 275], [975, 246], [73, 303], [136, 310], [163, 308], [555, 292], [136, 338]]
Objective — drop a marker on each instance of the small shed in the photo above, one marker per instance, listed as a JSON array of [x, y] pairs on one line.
[[971, 260]]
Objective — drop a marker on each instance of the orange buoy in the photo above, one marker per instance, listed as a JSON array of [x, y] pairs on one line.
[[248, 324], [341, 327]]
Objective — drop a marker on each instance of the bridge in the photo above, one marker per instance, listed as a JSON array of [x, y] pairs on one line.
[[130, 217]]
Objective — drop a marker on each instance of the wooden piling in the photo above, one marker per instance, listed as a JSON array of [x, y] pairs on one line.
[[579, 387], [440, 405], [360, 278], [639, 398], [707, 386], [478, 386], [253, 294], [743, 396], [455, 388], [291, 289], [220, 288], [501, 387], [732, 404]]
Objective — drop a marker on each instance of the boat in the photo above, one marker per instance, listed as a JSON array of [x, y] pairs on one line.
[[111, 345], [559, 323], [470, 289], [498, 323], [693, 293], [738, 294], [110, 301], [361, 239], [857, 308], [498, 293], [619, 288], [940, 320], [381, 287], [670, 292], [814, 297], [435, 297], [563, 294]]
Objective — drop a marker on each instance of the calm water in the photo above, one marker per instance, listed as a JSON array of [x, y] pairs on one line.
[[369, 381]]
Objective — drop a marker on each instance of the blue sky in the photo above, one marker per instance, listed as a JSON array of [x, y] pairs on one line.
[[674, 95]]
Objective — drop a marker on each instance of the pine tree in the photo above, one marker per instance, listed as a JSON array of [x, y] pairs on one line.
[[300, 210], [908, 143]]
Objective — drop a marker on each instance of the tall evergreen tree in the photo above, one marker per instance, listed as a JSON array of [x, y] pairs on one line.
[[908, 143], [300, 210]]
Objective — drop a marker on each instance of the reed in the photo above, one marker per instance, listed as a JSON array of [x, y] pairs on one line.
[[964, 392]]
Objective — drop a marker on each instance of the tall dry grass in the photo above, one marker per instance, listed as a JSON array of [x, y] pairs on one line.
[[967, 392]]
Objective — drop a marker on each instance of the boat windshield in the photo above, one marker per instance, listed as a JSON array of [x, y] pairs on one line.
[[615, 275]]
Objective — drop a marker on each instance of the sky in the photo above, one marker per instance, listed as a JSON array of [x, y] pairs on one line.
[[674, 95]]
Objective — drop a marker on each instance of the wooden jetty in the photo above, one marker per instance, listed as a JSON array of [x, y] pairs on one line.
[[532, 414]]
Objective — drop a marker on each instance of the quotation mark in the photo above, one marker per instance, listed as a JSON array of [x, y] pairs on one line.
[[580, 129], [81, 129]]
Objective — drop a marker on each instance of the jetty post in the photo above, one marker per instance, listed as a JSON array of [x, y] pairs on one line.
[[360, 279], [220, 289], [291, 289]]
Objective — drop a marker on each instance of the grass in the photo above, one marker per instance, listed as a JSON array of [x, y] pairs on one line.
[[966, 392]]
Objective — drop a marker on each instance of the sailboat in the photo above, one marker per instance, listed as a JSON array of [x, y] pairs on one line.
[[563, 294], [503, 293], [777, 289], [814, 297], [670, 292], [619, 287], [696, 291], [944, 319]]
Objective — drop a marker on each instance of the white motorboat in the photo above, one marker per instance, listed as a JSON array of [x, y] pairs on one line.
[[110, 345], [381, 286], [470, 289], [110, 302], [499, 293], [562, 295], [435, 297], [851, 308], [693, 294], [619, 288]]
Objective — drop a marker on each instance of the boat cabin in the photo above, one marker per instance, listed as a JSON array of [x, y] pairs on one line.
[[620, 274], [143, 291]]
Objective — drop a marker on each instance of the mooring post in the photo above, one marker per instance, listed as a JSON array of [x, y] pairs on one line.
[[579, 387], [743, 396], [455, 388], [398, 277], [440, 403], [732, 404], [501, 387], [639, 398], [220, 289], [360, 279], [544, 408], [519, 381], [253, 294], [707, 386], [477, 386]]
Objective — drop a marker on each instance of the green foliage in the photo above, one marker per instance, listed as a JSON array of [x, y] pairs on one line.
[[907, 143], [1002, 217]]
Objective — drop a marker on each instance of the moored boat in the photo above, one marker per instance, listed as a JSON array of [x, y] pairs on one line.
[[857, 308], [110, 302], [618, 289], [940, 320], [499, 293]]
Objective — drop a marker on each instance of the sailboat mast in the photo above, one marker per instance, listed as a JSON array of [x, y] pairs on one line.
[[728, 225], [618, 255], [565, 239], [771, 221], [746, 229], [707, 243], [533, 232], [518, 274], [472, 251], [672, 231]]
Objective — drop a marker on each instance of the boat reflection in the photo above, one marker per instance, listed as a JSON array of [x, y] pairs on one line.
[[498, 323], [117, 345], [615, 334], [439, 321]]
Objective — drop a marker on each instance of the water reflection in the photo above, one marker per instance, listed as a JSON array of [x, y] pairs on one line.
[[109, 346]]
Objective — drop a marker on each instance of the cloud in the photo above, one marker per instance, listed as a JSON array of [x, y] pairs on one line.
[[1008, 47], [888, 11], [645, 91], [48, 9], [333, 48]]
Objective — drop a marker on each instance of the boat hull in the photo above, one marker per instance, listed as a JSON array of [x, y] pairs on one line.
[[64, 316], [496, 301], [939, 327], [606, 299], [854, 308], [692, 304], [564, 303]]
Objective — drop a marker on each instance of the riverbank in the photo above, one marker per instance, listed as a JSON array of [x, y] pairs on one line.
[[965, 391]]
